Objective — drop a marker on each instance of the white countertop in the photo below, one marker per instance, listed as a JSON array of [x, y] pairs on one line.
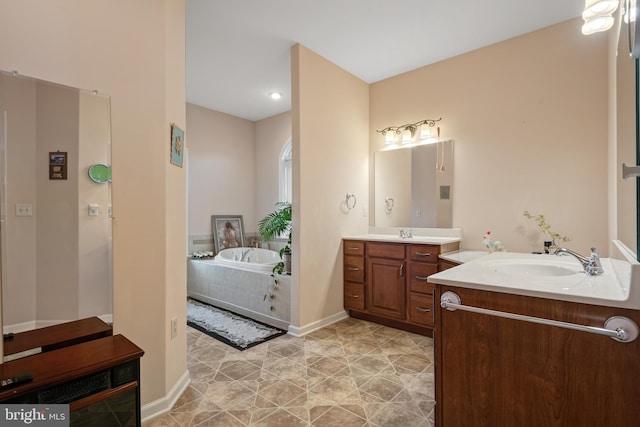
[[610, 289], [461, 257], [429, 240]]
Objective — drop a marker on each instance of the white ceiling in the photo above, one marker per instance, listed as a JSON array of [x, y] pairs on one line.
[[238, 51]]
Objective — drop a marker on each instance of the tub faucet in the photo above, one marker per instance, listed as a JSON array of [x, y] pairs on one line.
[[244, 255], [592, 265]]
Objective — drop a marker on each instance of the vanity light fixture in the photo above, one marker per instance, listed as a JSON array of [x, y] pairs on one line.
[[597, 15], [408, 131]]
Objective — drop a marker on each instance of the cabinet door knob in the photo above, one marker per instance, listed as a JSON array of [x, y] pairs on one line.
[[401, 270], [423, 310], [352, 268], [423, 278]]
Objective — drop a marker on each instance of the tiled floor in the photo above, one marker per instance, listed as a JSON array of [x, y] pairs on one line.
[[352, 373]]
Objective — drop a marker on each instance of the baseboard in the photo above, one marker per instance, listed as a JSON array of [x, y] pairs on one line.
[[164, 404], [319, 324]]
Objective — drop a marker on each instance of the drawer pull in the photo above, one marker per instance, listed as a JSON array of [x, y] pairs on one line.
[[350, 268], [423, 310], [354, 248], [354, 296], [423, 254], [423, 278]]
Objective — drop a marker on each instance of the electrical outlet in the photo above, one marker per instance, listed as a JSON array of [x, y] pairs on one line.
[[24, 209], [174, 327]]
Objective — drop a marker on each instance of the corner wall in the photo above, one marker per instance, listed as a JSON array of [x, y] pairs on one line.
[[133, 52], [330, 119], [529, 121]]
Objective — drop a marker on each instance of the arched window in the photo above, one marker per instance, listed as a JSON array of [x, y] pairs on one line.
[[286, 173]]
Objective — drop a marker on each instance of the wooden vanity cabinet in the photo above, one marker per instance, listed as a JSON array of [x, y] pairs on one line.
[[353, 264], [392, 288], [493, 371]]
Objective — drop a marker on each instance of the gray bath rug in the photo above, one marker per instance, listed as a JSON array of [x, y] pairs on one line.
[[232, 329]]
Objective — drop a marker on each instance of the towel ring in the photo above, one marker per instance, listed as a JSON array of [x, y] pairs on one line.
[[388, 204], [351, 201]]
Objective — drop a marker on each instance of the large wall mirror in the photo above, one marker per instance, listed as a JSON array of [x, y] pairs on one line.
[[627, 134], [413, 186], [55, 217]]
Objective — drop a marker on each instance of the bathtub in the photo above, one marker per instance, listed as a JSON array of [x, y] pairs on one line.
[[251, 259], [241, 286]]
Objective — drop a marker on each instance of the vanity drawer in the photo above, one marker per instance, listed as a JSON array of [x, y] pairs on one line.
[[421, 309], [418, 273], [353, 268], [424, 253], [353, 247], [385, 250], [354, 296]]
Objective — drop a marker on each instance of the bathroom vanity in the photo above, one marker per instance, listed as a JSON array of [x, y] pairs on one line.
[[522, 341], [385, 280]]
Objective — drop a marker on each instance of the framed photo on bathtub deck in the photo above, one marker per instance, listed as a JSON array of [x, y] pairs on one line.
[[228, 231]]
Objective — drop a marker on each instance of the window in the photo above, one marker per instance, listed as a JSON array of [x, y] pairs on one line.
[[286, 174]]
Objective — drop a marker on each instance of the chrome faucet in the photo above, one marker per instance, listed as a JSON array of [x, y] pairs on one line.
[[244, 255], [592, 265], [406, 234]]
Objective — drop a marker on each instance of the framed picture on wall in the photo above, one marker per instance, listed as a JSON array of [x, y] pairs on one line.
[[177, 145], [58, 165], [228, 231]]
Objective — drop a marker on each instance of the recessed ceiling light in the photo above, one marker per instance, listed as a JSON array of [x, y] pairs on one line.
[[275, 95]]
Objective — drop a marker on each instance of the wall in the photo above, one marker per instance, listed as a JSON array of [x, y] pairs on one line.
[[95, 296], [222, 172], [19, 301], [272, 134], [73, 42], [233, 168], [330, 119], [529, 120]]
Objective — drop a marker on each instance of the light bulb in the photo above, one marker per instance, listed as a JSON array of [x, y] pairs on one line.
[[594, 25]]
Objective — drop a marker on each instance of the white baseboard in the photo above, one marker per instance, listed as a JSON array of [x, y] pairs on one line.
[[164, 404], [319, 324]]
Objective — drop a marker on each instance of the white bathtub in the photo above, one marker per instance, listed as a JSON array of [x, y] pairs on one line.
[[230, 285], [251, 259]]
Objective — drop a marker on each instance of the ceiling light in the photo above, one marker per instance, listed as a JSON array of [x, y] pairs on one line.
[[275, 95]]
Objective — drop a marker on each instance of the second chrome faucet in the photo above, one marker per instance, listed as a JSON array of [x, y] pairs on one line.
[[592, 265]]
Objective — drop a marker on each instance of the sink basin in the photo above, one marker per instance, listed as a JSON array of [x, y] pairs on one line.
[[534, 268]]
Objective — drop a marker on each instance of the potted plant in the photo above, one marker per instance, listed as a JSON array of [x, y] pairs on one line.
[[277, 224]]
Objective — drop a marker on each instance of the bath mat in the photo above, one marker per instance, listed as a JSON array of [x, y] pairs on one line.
[[230, 328]]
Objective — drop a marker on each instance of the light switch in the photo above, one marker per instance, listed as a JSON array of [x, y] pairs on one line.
[[94, 210], [24, 209]]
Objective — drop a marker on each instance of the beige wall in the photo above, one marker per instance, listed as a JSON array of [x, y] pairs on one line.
[[233, 167], [529, 120], [19, 300], [89, 45], [222, 171], [330, 117], [271, 135]]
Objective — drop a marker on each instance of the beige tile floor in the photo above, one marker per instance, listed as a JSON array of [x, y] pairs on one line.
[[351, 373]]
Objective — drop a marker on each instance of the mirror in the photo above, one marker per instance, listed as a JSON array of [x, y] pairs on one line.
[[626, 134], [55, 222], [412, 186]]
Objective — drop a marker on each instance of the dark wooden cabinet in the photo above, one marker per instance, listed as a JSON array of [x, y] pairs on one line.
[[392, 287], [492, 371], [386, 287], [99, 378]]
